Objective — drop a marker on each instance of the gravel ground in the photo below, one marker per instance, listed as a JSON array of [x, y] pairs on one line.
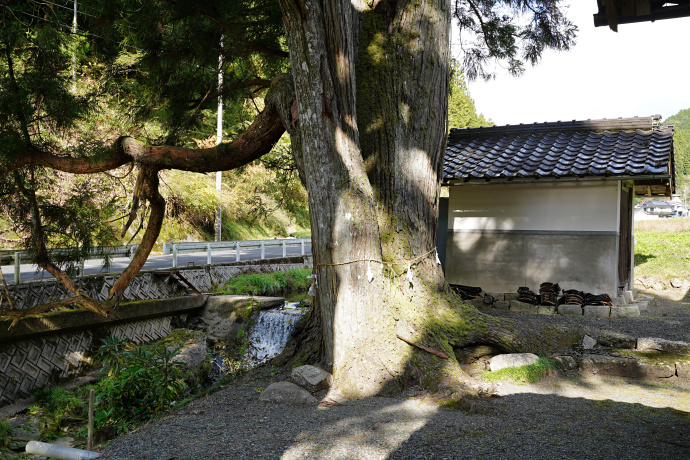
[[570, 416]]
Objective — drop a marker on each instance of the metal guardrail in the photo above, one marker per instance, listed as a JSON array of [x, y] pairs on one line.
[[16, 258], [209, 247]]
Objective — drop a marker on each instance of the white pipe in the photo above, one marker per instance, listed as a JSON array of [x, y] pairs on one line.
[[59, 452]]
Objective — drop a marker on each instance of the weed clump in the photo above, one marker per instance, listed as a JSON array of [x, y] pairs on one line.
[[522, 374], [294, 280]]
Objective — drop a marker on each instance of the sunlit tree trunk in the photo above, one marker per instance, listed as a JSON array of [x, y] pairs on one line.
[[371, 88]]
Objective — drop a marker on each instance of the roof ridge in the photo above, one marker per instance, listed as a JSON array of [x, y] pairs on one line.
[[604, 124]]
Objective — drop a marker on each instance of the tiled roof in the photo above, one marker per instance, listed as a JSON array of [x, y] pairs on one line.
[[616, 147]]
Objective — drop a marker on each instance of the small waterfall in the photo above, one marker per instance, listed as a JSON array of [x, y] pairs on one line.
[[271, 332]]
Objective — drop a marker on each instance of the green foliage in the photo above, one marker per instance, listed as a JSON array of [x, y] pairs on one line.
[[681, 143], [461, 110], [510, 33], [522, 374], [139, 382], [5, 432], [59, 402], [294, 280], [663, 254]]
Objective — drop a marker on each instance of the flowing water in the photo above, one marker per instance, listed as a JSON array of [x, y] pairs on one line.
[[271, 332]]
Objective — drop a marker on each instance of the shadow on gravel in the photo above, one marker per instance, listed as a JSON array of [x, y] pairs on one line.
[[531, 426], [233, 424]]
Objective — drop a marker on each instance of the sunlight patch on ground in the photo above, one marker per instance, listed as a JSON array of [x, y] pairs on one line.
[[375, 435], [599, 388]]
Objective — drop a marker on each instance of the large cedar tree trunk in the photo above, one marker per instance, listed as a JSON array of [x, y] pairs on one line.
[[369, 131], [371, 85]]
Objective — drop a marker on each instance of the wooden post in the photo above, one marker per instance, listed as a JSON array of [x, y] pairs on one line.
[[89, 436]]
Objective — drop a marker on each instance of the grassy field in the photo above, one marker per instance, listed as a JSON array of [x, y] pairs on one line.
[[662, 249]]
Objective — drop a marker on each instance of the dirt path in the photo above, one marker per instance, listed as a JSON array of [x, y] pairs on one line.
[[573, 416]]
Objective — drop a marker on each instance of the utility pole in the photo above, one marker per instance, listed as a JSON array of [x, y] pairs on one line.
[[219, 140], [74, 55]]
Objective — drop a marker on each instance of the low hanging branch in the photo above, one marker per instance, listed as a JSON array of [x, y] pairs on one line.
[[255, 142]]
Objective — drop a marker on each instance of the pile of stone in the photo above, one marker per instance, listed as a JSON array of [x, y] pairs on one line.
[[305, 382], [610, 354]]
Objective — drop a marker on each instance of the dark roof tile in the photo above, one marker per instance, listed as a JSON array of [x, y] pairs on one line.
[[621, 147]]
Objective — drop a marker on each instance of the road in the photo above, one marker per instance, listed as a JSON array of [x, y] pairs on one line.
[[158, 262]]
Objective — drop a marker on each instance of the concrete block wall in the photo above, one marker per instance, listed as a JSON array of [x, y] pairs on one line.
[[28, 365], [52, 346]]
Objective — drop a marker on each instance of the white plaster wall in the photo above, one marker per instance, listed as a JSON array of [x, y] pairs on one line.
[[567, 206]]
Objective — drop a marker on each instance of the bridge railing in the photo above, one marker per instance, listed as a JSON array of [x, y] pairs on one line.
[[16, 258], [209, 247]]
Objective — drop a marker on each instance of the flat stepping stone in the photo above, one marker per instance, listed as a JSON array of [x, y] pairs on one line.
[[507, 360], [628, 311]]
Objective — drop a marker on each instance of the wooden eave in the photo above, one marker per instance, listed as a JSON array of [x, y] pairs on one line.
[[614, 12]]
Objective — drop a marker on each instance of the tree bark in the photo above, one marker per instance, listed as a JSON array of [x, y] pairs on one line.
[[371, 86]]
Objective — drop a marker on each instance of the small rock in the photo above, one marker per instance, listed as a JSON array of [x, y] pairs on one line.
[[192, 353], [657, 286], [631, 311], [616, 340], [619, 301], [546, 309], [676, 283], [570, 309], [512, 360], [628, 296], [588, 342], [287, 393], [502, 304], [311, 378], [23, 431], [663, 345], [516, 305], [511, 296], [566, 362], [477, 303]]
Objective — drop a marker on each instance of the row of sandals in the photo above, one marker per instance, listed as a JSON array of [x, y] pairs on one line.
[[549, 295]]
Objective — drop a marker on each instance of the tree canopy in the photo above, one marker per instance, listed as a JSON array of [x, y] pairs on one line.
[[365, 107], [681, 144]]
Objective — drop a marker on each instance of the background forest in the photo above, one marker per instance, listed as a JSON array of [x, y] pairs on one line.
[[120, 90], [156, 86]]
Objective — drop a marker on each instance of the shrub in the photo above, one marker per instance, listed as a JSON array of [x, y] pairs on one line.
[[139, 382], [60, 402]]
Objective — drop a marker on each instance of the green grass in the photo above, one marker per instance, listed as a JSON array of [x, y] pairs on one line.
[[294, 280], [523, 374], [663, 251]]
